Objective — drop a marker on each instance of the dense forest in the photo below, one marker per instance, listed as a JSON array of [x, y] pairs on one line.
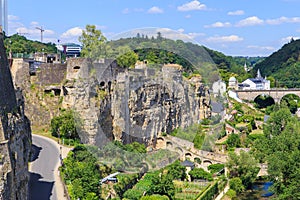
[[283, 65]]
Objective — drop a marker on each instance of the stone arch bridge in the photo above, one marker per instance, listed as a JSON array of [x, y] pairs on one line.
[[275, 93], [186, 150]]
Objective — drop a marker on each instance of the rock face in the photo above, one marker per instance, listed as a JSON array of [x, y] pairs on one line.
[[133, 105], [114, 103], [15, 136]]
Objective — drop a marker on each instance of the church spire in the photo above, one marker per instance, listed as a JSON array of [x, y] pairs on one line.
[[258, 74], [246, 67]]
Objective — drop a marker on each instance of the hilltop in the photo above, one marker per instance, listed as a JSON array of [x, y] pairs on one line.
[[283, 65]]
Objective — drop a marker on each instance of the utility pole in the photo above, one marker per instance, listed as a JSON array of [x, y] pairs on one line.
[[42, 30]]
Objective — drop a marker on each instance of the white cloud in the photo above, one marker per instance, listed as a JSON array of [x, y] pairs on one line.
[[220, 39], [237, 12], [188, 16], [126, 11], [282, 20], [12, 18], [155, 10], [194, 35], [181, 30], [218, 25], [193, 5], [34, 31], [250, 21], [261, 48], [288, 39], [73, 32]]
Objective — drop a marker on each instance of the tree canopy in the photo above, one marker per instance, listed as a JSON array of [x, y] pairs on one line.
[[280, 149]]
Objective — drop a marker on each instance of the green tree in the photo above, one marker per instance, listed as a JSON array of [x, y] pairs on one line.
[[280, 149], [243, 166], [126, 57], [66, 125], [277, 122], [199, 173], [93, 43], [236, 185], [81, 173], [233, 140], [162, 185], [177, 171]]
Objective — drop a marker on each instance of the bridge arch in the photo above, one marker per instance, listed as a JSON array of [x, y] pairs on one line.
[[197, 160], [179, 150], [275, 93], [292, 101], [188, 156], [169, 144], [160, 142], [206, 163], [264, 100]]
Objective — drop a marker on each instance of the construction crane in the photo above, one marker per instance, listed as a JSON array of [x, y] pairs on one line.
[[42, 30]]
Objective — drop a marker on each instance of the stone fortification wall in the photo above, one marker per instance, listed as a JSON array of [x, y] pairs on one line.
[[132, 105], [115, 103], [15, 136]]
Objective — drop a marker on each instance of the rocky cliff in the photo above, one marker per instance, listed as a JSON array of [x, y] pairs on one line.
[[132, 105], [15, 136], [113, 103]]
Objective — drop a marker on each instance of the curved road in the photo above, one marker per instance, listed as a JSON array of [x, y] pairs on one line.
[[45, 160]]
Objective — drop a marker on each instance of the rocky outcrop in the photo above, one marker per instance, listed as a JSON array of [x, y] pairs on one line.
[[132, 105], [15, 136], [114, 103]]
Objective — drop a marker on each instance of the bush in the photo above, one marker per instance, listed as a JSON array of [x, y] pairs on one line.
[[236, 185], [231, 193], [214, 168], [65, 125], [199, 173]]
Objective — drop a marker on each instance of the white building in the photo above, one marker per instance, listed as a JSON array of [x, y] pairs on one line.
[[258, 83], [219, 88], [232, 83]]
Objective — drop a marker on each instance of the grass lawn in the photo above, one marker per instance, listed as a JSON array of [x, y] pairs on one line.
[[257, 131]]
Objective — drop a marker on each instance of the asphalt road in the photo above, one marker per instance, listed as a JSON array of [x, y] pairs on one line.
[[44, 161]]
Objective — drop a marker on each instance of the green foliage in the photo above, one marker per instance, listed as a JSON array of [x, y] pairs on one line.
[[93, 43], [162, 185], [233, 141], [291, 101], [214, 168], [236, 185], [210, 192], [81, 173], [263, 101], [231, 193], [177, 171], [154, 197], [199, 173], [20, 44], [277, 122], [193, 133], [283, 65], [243, 166], [66, 125], [280, 149], [125, 182], [126, 58]]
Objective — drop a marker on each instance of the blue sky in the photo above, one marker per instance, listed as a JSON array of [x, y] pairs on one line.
[[233, 27]]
